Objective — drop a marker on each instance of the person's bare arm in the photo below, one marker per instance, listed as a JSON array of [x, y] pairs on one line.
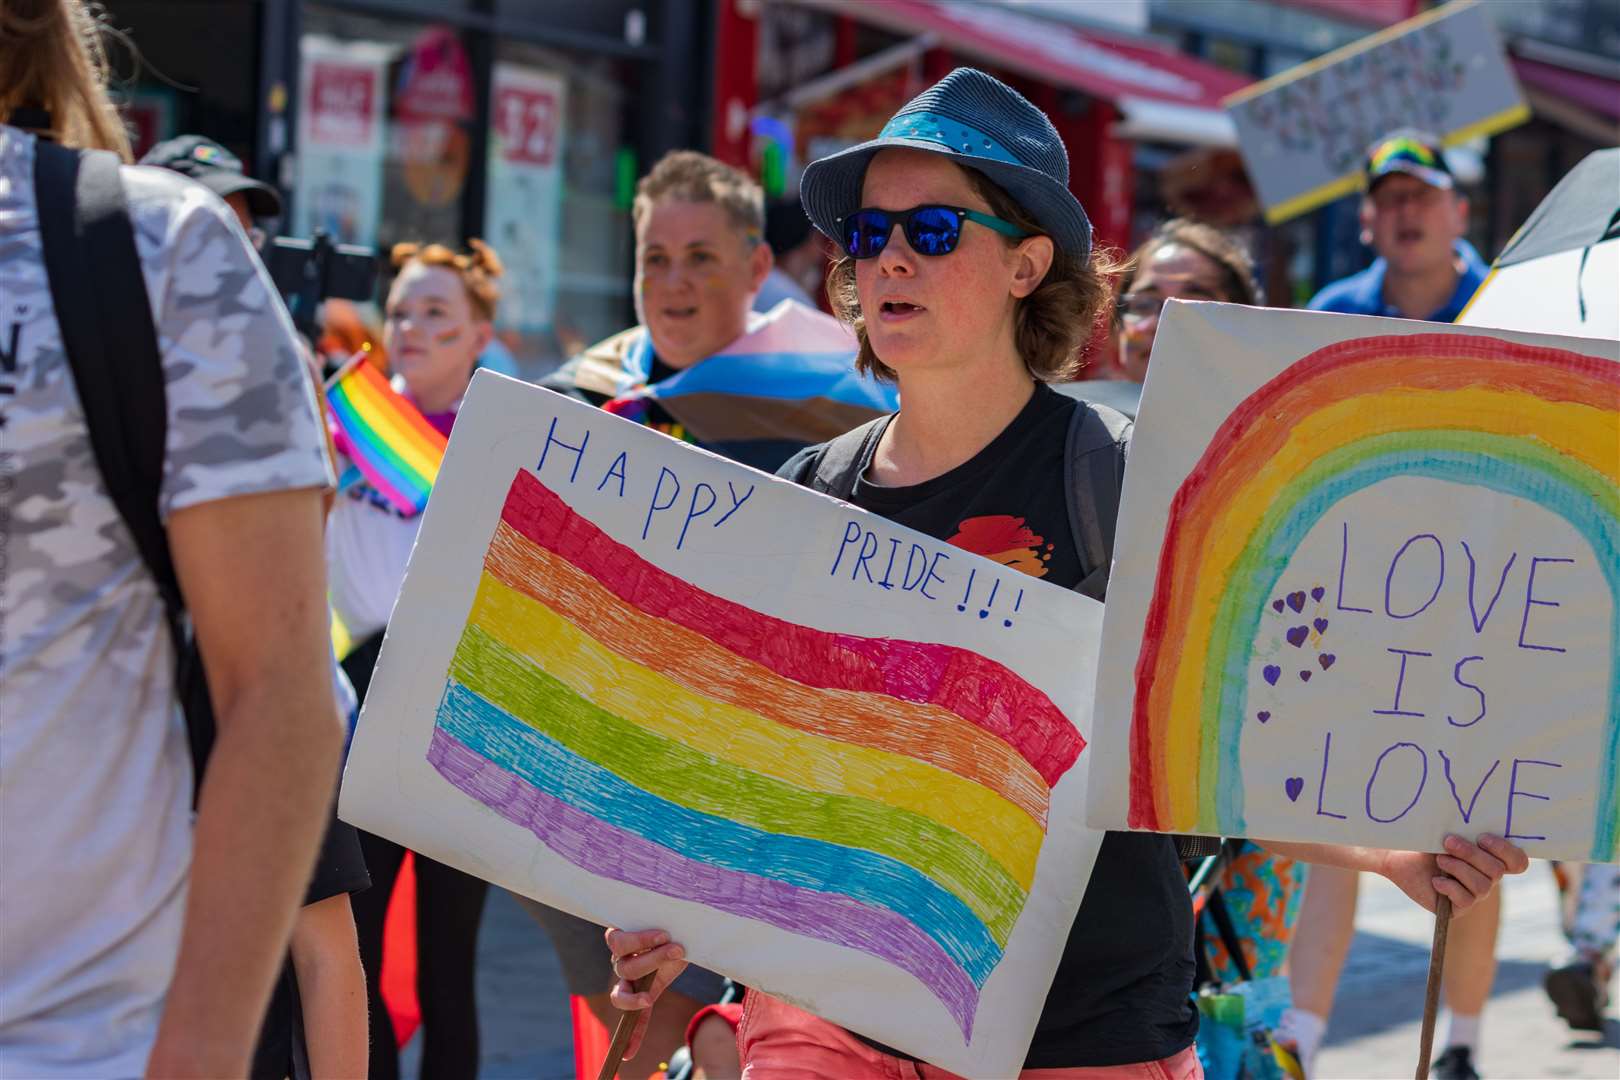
[[331, 988], [252, 572], [1465, 874]]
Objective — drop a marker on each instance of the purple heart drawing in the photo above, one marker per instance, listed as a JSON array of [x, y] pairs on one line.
[[1263, 715], [1321, 625], [1326, 660], [1294, 785], [1304, 676], [1317, 594], [1276, 605], [1296, 600], [1296, 635], [1272, 673]]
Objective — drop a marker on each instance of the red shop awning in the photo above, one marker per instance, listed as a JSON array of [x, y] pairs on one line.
[[1162, 93]]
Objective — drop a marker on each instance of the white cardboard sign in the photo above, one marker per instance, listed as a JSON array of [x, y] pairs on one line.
[[1365, 587], [839, 760]]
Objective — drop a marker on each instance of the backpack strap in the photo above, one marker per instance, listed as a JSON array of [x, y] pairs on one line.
[[101, 303], [837, 465], [1093, 475]]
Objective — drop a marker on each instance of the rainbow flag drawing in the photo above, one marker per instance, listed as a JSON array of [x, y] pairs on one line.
[[1541, 424], [386, 437], [884, 795]]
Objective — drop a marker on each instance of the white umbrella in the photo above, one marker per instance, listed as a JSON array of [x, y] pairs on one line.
[[1560, 274]]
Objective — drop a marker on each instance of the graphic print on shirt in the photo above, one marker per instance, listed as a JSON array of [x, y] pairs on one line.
[[1006, 540]]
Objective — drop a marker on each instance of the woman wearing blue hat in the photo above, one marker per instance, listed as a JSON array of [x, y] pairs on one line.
[[969, 277]]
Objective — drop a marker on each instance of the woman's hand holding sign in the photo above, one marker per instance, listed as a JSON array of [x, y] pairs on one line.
[[637, 954], [1465, 874]]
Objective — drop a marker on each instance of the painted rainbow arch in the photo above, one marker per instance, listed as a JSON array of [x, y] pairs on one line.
[[1538, 423]]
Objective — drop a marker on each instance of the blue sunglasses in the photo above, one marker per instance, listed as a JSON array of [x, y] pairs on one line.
[[930, 230]]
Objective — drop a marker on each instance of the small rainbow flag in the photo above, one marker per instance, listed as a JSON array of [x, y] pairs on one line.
[[387, 437]]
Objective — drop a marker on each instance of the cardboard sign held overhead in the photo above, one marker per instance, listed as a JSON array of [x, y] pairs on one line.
[[839, 760], [1304, 134], [1366, 587]]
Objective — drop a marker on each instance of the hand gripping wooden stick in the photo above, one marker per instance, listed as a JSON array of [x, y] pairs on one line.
[[1431, 999], [622, 1032]]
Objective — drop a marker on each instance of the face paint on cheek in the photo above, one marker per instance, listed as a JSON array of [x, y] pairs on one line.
[[449, 337]]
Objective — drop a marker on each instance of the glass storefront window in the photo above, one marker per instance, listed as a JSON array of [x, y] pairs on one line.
[[385, 130], [552, 209]]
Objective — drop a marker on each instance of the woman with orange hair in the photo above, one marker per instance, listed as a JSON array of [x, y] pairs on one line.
[[438, 318]]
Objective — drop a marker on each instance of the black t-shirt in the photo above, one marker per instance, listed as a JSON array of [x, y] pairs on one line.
[[339, 868], [1122, 990]]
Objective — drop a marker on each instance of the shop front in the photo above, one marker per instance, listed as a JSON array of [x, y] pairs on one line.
[[521, 122]]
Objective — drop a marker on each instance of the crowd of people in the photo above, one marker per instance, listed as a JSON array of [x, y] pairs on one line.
[[182, 907]]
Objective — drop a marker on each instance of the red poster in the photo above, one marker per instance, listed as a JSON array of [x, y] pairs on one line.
[[340, 104], [526, 120]]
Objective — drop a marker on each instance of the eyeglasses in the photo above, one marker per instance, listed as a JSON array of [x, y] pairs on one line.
[[930, 230], [1140, 307]]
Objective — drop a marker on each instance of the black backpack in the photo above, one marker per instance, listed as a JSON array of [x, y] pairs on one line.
[[112, 348], [1098, 440], [1093, 462]]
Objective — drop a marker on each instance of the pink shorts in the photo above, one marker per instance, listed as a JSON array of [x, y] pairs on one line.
[[780, 1042]]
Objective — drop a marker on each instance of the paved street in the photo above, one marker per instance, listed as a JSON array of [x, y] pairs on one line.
[[1374, 1033]]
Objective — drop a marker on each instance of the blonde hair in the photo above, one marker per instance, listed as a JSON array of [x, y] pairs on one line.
[[478, 269], [693, 177], [1050, 326], [52, 58]]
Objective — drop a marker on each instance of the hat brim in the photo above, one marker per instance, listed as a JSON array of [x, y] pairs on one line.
[[831, 190], [263, 200], [1435, 178]]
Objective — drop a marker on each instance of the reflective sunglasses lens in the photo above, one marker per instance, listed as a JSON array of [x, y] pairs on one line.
[[933, 230], [865, 233]]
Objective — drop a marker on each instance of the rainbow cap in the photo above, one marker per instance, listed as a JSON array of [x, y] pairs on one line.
[[1413, 153]]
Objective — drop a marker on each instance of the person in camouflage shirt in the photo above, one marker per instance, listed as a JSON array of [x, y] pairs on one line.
[[132, 940]]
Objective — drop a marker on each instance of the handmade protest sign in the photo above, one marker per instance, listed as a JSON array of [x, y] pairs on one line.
[[1365, 587], [839, 760], [1304, 134]]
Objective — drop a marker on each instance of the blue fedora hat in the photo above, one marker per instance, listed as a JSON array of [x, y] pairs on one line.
[[981, 123]]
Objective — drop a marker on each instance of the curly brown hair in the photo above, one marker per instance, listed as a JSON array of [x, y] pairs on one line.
[[478, 269], [1051, 324]]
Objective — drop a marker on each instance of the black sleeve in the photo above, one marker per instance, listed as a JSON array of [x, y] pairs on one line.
[[800, 466], [339, 868]]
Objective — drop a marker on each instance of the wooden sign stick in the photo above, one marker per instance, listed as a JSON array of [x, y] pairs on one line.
[[621, 1033], [1431, 999]]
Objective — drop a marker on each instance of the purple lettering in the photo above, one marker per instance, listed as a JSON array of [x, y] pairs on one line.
[[1400, 680], [1514, 792], [1373, 779], [1344, 556], [1468, 814], [1530, 600], [1321, 788], [1473, 611], [1439, 577], [1456, 677]]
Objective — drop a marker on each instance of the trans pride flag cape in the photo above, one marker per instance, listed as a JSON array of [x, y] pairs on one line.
[[787, 383]]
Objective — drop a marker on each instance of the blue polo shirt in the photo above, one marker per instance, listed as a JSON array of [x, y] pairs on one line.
[[1363, 293]]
